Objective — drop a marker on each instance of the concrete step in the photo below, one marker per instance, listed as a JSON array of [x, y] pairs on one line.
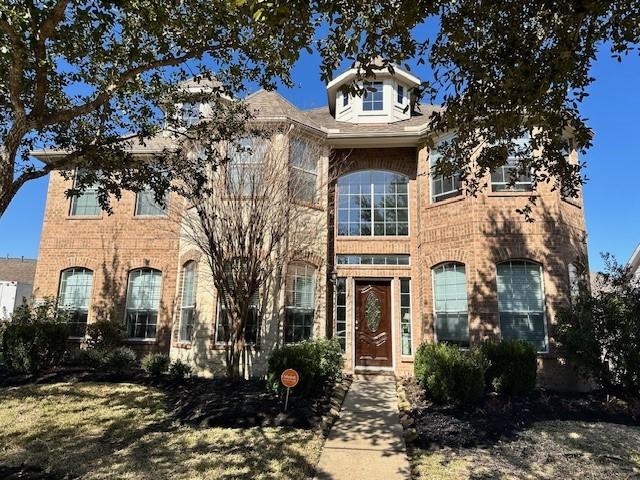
[[374, 375]]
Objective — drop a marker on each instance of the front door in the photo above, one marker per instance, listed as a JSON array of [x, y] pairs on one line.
[[373, 323]]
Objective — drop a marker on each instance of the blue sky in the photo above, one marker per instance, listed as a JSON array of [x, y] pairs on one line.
[[612, 196]]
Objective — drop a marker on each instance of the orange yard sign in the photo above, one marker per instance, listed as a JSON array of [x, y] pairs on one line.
[[289, 378]]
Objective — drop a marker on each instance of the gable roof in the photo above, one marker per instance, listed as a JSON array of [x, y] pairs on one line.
[[21, 270], [271, 105]]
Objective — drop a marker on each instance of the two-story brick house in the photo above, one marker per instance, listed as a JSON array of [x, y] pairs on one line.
[[404, 256]]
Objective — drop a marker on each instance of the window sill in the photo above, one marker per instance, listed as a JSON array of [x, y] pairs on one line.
[[84, 217], [313, 206], [447, 201], [406, 359], [150, 217], [360, 266], [183, 345], [140, 340], [513, 194]]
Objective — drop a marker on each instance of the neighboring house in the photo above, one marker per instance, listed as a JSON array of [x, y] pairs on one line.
[[406, 257], [16, 283]]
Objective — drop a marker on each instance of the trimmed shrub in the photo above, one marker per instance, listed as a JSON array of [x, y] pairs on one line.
[[105, 335], [90, 358], [449, 374], [155, 364], [120, 360], [34, 347], [179, 370], [512, 366], [317, 362]]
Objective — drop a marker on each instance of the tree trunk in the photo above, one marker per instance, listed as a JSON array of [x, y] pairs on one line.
[[6, 179]]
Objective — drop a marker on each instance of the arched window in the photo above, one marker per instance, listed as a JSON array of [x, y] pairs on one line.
[[450, 303], [521, 302], [74, 298], [373, 202], [300, 302], [143, 302], [188, 304]]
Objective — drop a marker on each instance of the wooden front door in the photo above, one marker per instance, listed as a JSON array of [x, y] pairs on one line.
[[373, 324]]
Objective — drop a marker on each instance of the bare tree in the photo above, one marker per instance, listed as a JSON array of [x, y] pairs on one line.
[[261, 209]]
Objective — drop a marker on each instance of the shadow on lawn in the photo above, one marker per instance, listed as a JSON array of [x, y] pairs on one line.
[[112, 431]]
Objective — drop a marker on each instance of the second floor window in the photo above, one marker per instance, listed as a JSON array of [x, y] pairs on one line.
[[373, 99], [146, 205], [244, 170], [304, 171], [373, 203], [86, 204], [74, 298], [502, 178], [143, 303], [442, 186]]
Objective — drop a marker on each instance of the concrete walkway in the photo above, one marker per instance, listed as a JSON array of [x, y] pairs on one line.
[[366, 441]]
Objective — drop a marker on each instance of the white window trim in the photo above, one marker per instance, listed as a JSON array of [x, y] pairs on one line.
[[126, 307], [184, 307], [433, 297], [411, 316]]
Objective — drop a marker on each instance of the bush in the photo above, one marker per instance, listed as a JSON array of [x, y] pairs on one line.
[[120, 360], [179, 370], [317, 362], [90, 358], [512, 366], [35, 346], [105, 335], [449, 374], [600, 332], [155, 364]]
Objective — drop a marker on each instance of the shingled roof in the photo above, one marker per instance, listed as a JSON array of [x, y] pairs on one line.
[[22, 270]]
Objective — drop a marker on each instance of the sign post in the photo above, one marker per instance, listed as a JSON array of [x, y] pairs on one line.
[[289, 379]]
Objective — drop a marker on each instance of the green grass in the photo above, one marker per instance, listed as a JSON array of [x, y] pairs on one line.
[[99, 431], [548, 450]]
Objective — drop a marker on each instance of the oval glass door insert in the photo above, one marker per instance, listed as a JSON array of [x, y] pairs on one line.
[[372, 311]]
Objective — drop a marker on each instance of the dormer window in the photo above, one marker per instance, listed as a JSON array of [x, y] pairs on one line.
[[373, 98], [345, 99], [190, 113], [400, 98]]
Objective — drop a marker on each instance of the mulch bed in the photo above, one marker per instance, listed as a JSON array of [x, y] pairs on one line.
[[206, 402], [500, 418]]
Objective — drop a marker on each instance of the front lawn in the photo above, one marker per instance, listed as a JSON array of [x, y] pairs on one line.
[[121, 430], [546, 450]]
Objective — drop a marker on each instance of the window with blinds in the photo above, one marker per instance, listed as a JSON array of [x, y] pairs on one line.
[[188, 307], [74, 298], [450, 301], [146, 205], [300, 302], [143, 302], [85, 204], [521, 303]]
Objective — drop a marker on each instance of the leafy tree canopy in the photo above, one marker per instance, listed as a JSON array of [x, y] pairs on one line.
[[89, 77]]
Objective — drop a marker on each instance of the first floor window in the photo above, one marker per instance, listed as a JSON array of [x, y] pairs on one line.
[[143, 302], [74, 298], [520, 302], [252, 325], [450, 301], [188, 308], [341, 312], [405, 315], [300, 302]]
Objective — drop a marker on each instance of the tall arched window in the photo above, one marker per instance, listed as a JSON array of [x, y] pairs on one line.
[[521, 302], [450, 303], [143, 302], [188, 305], [74, 298], [300, 302], [373, 202]]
